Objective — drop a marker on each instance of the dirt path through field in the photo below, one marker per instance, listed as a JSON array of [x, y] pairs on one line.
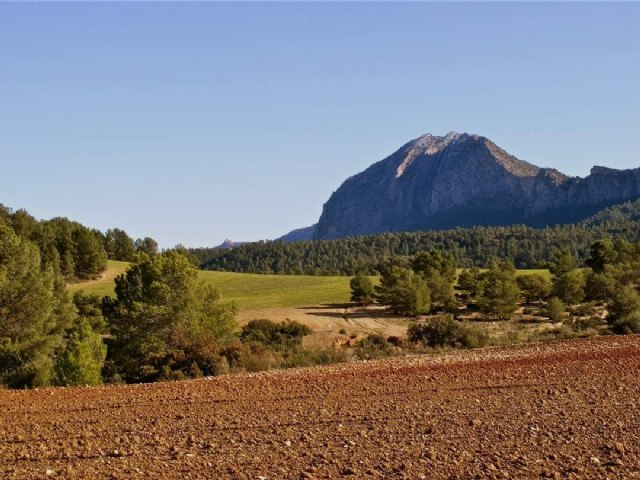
[[559, 410]]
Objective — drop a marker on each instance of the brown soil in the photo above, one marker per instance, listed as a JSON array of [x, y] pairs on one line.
[[558, 410]]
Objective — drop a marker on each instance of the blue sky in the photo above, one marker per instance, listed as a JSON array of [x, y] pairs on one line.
[[197, 122]]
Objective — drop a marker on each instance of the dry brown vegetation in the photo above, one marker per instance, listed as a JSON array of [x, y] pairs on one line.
[[566, 409]]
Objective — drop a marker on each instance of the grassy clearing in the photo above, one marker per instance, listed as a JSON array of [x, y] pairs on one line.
[[543, 272], [257, 291], [250, 291], [276, 291], [104, 285]]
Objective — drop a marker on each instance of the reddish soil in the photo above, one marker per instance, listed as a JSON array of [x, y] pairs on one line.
[[558, 410]]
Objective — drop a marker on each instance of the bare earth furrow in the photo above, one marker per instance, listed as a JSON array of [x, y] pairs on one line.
[[557, 410]]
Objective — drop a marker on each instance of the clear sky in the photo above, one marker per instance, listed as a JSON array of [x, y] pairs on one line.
[[197, 122]]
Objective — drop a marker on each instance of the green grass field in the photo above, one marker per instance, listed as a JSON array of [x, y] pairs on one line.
[[250, 291], [256, 291]]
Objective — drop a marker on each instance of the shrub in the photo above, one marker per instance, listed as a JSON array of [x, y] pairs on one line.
[[584, 309], [373, 346], [279, 336], [443, 331], [555, 310], [627, 324], [81, 360], [472, 336], [625, 301], [582, 325]]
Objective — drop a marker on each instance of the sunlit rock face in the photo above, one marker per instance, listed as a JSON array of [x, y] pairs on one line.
[[437, 182]]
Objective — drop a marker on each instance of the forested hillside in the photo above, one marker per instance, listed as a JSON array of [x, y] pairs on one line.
[[527, 247], [71, 249]]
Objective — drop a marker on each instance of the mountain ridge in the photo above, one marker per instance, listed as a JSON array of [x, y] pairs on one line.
[[461, 179]]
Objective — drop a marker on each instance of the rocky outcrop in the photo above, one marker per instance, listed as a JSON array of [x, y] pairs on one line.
[[463, 180], [229, 244]]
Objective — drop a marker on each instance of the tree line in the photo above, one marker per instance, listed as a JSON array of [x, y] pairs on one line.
[[70, 248], [424, 284], [526, 247]]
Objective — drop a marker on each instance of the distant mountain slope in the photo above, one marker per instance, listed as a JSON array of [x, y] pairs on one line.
[[464, 180], [299, 234]]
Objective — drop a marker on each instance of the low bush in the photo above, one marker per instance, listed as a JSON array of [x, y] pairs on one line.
[[443, 330], [584, 309], [279, 336], [585, 324], [555, 310], [373, 346], [627, 324]]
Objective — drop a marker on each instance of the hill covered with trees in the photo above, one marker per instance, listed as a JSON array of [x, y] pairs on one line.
[[527, 247], [71, 249]]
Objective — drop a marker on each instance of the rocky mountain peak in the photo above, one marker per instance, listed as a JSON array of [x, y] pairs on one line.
[[462, 179], [427, 145], [430, 145]]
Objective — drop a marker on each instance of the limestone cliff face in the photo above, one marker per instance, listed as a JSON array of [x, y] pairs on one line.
[[463, 180]]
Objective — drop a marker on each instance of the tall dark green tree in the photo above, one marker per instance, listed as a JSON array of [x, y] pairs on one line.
[[81, 360], [362, 290], [602, 253], [499, 291], [404, 292], [439, 271], [161, 308], [35, 312]]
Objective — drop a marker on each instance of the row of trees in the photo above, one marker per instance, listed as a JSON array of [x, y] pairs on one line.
[[70, 248], [425, 284], [525, 247]]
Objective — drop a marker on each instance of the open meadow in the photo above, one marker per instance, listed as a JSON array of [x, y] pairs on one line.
[[319, 302]]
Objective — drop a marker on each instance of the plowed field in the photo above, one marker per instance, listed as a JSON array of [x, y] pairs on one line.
[[558, 410]]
